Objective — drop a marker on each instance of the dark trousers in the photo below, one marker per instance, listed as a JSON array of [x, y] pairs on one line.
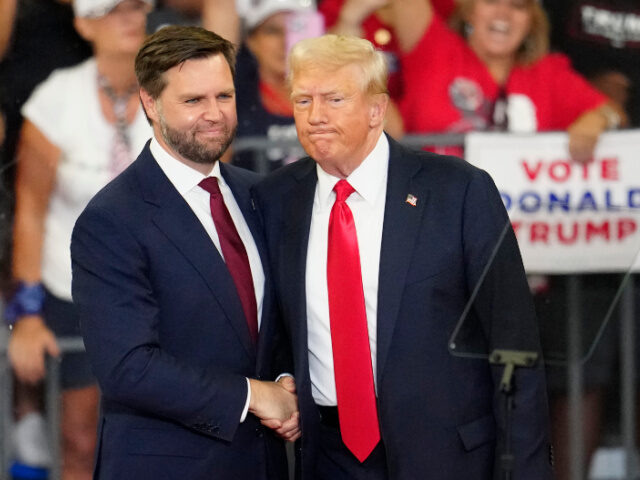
[[336, 462]]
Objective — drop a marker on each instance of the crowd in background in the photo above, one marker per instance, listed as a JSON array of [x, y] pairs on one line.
[[70, 118]]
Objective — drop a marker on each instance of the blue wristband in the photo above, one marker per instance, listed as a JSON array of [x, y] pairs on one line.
[[28, 300]]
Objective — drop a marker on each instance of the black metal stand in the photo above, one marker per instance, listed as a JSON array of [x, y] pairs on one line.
[[510, 359]]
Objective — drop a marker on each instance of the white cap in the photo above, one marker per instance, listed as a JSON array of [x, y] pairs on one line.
[[257, 11], [97, 8]]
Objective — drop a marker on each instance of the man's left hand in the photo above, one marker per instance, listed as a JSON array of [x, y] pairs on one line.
[[288, 430]]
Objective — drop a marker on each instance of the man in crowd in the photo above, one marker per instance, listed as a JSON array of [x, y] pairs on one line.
[[375, 251], [174, 296]]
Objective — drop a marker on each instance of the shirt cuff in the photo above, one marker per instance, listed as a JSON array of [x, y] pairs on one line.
[[245, 410], [282, 375]]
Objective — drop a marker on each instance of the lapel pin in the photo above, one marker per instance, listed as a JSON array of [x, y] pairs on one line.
[[412, 200]]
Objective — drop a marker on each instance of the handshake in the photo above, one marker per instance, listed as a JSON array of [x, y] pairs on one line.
[[276, 405]]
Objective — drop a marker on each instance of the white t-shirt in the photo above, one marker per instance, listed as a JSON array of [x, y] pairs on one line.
[[66, 109]]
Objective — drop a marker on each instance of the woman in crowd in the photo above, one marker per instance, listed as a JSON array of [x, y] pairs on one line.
[[492, 71], [83, 125], [263, 103]]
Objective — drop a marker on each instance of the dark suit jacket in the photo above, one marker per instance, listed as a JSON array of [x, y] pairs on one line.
[[166, 335], [440, 415]]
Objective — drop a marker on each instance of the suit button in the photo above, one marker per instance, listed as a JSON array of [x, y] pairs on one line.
[[259, 432]]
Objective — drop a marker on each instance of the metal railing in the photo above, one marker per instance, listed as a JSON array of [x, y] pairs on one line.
[[52, 404]]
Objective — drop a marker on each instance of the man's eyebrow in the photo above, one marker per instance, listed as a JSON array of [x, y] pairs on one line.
[[188, 95], [308, 94]]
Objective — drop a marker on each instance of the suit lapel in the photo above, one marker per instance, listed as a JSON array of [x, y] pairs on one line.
[[400, 231], [294, 253], [245, 202], [177, 221]]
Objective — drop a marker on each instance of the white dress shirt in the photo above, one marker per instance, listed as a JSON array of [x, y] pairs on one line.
[[367, 205], [185, 179]]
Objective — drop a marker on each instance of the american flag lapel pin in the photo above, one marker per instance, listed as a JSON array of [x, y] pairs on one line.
[[412, 200]]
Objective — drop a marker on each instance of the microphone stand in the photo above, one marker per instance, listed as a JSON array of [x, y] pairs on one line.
[[510, 359]]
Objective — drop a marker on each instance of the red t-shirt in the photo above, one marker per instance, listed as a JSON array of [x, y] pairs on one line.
[[449, 89], [382, 36]]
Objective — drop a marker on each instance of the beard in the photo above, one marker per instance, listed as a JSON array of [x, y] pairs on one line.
[[188, 146]]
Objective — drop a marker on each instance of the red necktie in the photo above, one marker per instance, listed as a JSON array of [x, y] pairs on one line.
[[349, 335], [234, 253]]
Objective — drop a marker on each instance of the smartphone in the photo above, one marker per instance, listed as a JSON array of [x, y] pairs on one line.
[[303, 24]]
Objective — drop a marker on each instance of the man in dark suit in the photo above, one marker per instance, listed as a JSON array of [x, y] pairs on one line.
[[375, 251], [174, 298]]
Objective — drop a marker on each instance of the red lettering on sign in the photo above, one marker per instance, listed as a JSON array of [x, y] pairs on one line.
[[560, 171], [594, 230], [532, 173], [516, 227], [626, 226], [574, 232], [609, 169], [539, 232], [565, 238]]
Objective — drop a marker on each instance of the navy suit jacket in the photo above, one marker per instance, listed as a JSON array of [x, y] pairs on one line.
[[165, 332], [441, 415]]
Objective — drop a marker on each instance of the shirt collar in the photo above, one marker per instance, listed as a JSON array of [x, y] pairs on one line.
[[183, 177], [369, 179]]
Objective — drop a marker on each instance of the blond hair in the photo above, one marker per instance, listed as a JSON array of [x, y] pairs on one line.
[[332, 52], [535, 45]]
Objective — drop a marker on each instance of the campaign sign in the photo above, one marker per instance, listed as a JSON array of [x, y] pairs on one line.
[[568, 217]]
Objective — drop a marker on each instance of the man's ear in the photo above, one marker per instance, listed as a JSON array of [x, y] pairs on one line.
[[84, 27], [150, 105], [378, 109]]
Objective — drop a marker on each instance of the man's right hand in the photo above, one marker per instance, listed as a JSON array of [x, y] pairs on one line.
[[30, 340], [272, 401]]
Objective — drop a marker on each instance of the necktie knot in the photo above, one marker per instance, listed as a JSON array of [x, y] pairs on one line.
[[210, 184], [343, 189]]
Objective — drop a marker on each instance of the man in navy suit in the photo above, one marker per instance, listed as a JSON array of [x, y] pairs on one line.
[[174, 295], [375, 251]]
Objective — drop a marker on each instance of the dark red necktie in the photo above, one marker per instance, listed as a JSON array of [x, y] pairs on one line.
[[349, 334], [234, 253]]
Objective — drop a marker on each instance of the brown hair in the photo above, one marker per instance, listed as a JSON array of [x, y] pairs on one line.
[[535, 45], [331, 52], [173, 45]]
